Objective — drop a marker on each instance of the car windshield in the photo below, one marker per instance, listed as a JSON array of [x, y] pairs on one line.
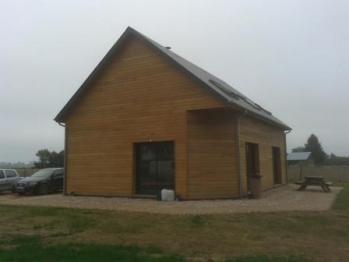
[[43, 173]]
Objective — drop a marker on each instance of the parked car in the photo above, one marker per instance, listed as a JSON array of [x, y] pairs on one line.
[[44, 181], [8, 179]]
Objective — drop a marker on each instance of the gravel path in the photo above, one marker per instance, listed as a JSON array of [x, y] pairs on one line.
[[284, 198]]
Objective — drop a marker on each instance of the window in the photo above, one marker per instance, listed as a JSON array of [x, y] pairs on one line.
[[46, 172], [57, 174], [154, 167], [236, 95], [2, 175], [226, 89], [10, 173]]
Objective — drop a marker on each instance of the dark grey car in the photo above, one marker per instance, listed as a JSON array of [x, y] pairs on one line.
[[44, 181]]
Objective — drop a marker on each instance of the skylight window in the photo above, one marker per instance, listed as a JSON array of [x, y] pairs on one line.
[[224, 89], [228, 91]]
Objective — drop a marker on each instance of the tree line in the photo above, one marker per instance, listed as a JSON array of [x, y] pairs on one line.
[[318, 154], [49, 158]]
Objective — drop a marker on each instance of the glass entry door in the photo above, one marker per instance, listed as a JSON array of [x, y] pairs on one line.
[[154, 167]]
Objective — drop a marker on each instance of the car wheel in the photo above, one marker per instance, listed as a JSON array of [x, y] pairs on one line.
[[43, 189]]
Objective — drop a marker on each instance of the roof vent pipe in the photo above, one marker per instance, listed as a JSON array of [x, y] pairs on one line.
[[168, 47]]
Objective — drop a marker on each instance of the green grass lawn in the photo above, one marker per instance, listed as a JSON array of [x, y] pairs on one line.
[[33, 249], [58, 234]]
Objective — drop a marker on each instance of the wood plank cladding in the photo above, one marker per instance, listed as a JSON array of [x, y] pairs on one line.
[[267, 137], [138, 97], [212, 169]]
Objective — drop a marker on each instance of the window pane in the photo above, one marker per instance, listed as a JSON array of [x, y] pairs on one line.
[[147, 152], [10, 173], [165, 151]]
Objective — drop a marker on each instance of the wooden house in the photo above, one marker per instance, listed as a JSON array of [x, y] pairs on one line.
[[147, 119]]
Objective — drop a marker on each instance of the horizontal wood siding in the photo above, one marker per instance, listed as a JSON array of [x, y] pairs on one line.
[[212, 171], [266, 136], [139, 97]]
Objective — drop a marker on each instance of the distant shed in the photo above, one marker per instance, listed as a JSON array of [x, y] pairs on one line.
[[299, 158]]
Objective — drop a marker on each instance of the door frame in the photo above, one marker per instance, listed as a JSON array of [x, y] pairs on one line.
[[277, 172], [134, 176], [256, 161]]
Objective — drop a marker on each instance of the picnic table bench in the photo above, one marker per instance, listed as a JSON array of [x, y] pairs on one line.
[[314, 181]]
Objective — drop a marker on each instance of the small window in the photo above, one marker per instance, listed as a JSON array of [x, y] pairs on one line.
[[10, 173], [2, 175]]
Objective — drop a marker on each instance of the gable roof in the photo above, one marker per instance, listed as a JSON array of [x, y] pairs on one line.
[[298, 156], [223, 90]]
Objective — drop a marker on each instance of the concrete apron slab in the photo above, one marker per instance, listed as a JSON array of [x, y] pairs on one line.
[[284, 198]]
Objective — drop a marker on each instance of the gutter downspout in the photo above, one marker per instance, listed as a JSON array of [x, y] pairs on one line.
[[285, 152], [238, 152], [65, 158]]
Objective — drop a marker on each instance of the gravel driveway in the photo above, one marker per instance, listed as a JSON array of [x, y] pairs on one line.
[[284, 198]]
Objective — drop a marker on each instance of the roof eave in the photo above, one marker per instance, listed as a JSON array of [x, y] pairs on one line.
[[268, 121]]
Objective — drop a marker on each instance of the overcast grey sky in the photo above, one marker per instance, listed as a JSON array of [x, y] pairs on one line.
[[289, 56]]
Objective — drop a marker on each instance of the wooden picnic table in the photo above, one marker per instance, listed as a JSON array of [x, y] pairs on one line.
[[314, 181]]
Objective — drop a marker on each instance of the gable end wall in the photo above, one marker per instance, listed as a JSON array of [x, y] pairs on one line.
[[138, 97]]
